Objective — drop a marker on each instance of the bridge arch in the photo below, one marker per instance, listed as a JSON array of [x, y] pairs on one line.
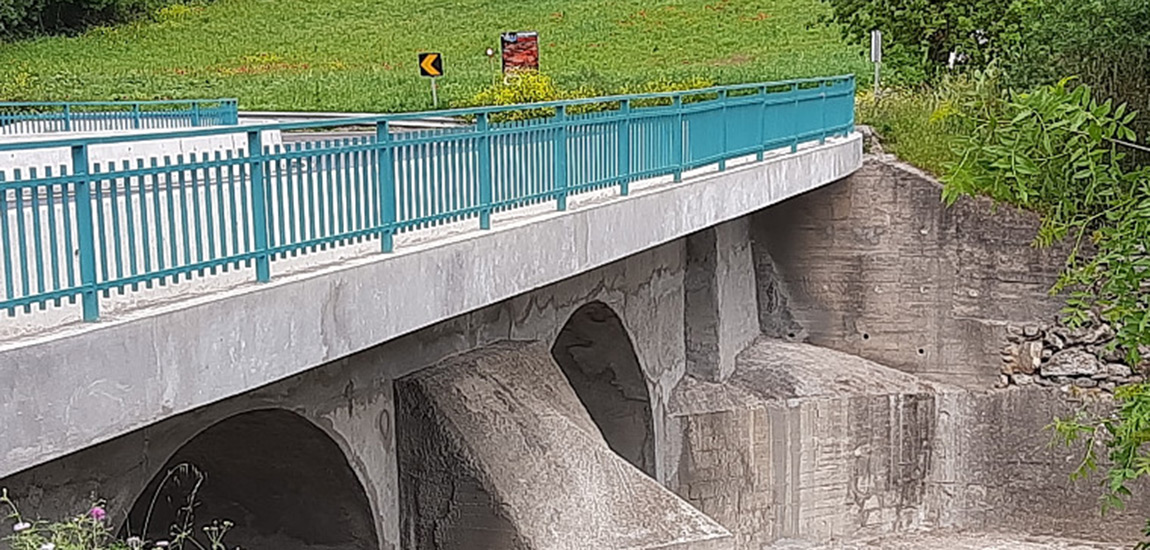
[[282, 481], [595, 352]]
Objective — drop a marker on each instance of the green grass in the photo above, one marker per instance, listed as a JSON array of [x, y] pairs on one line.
[[908, 123], [360, 55]]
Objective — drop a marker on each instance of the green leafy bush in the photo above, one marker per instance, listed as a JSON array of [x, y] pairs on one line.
[[919, 35], [536, 87], [1055, 150], [92, 530]]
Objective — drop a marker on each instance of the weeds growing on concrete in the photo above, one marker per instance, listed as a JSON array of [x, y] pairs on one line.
[[92, 530]]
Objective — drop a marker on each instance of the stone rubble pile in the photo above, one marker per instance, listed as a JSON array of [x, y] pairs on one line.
[[1057, 356]]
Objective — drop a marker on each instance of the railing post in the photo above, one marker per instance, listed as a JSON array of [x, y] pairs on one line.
[[795, 118], [823, 112], [484, 145], [136, 115], [561, 158], [196, 114], [385, 168], [762, 123], [67, 118], [86, 240], [624, 147], [259, 205], [723, 146], [677, 139]]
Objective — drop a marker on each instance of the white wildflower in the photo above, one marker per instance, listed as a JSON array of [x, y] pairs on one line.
[[161, 544], [21, 526], [135, 543], [47, 546]]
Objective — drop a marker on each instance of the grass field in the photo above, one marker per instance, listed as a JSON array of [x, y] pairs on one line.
[[360, 55]]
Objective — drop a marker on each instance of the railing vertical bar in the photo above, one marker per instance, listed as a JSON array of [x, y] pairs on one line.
[[484, 146], [6, 241], [561, 169], [387, 203], [259, 205], [66, 211], [90, 301]]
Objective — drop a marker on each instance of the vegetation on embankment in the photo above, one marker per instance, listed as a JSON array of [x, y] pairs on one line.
[[357, 55], [989, 110]]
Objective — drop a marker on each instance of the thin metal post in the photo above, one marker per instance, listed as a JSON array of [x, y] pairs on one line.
[[624, 147], [762, 123], [795, 118], [259, 205], [89, 298], [561, 158], [723, 116], [677, 139], [385, 168], [67, 118], [823, 112], [136, 115], [484, 144], [196, 114]]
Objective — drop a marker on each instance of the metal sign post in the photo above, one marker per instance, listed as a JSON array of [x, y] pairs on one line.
[[876, 58], [431, 66]]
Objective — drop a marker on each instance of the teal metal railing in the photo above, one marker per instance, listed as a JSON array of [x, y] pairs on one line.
[[86, 228], [20, 118]]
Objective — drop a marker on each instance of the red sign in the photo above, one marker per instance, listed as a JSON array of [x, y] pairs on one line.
[[520, 51]]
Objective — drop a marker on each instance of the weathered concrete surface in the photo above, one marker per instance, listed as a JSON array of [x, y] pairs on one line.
[[957, 541], [879, 267], [721, 317], [126, 373], [349, 400], [497, 452], [812, 444], [805, 442]]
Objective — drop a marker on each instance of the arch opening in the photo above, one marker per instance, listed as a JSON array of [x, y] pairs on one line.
[[597, 356], [278, 478]]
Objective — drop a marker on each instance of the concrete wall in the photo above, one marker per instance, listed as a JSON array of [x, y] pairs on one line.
[[128, 372], [879, 267], [497, 452], [351, 398]]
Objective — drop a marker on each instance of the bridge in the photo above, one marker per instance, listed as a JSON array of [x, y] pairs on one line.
[[686, 320]]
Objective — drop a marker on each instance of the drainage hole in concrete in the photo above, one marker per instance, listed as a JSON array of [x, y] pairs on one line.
[[866, 336], [921, 351]]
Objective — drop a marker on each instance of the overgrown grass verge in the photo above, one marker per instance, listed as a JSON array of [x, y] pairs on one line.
[[357, 55]]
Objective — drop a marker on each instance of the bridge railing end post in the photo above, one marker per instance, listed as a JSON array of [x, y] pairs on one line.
[[259, 205], [85, 233], [385, 170]]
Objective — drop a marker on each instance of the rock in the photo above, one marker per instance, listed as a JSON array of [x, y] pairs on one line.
[[1030, 331], [1107, 386], [1090, 335], [1028, 358], [1085, 382], [1023, 379], [1003, 381], [1072, 362], [1117, 370], [1013, 334], [1054, 341], [1108, 354], [1047, 353], [1103, 375], [1044, 382]]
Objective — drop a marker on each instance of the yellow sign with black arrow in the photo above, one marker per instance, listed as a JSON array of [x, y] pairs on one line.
[[431, 64]]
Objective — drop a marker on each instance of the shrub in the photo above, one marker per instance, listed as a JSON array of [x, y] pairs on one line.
[[536, 87], [92, 530], [919, 36]]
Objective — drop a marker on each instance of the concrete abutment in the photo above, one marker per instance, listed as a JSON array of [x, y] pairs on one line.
[[818, 370]]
